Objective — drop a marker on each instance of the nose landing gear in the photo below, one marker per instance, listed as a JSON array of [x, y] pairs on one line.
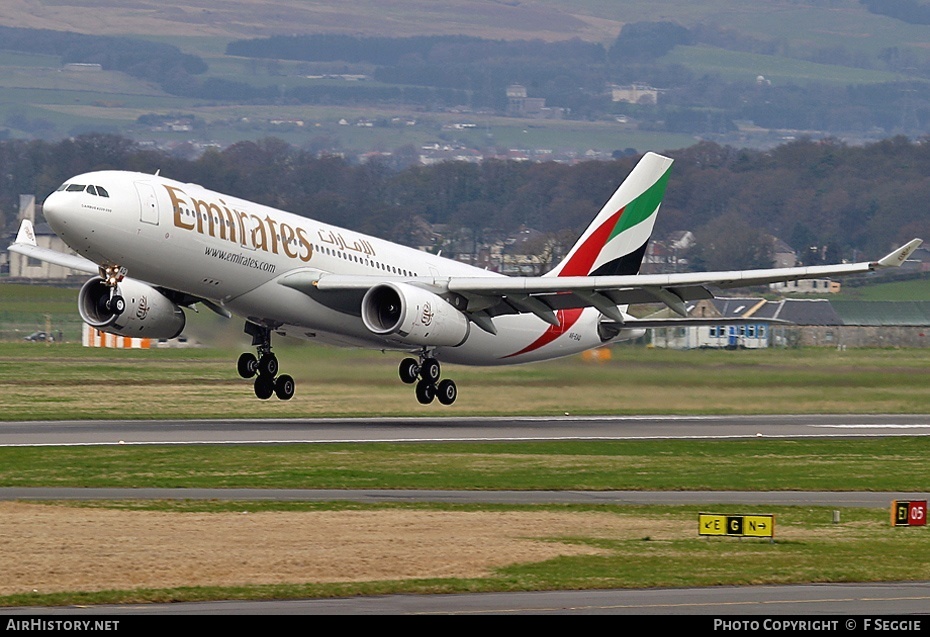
[[114, 303], [264, 367], [425, 374]]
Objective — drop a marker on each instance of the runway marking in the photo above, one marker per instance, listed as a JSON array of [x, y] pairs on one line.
[[844, 600], [827, 600], [297, 441], [886, 426]]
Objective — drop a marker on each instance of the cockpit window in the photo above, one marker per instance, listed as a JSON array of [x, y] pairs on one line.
[[100, 191]]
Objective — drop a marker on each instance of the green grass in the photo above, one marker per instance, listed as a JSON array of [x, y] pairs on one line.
[[202, 382], [807, 548], [68, 382], [735, 65], [891, 464], [913, 290]]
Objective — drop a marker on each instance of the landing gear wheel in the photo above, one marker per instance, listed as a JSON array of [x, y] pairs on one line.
[[409, 370], [426, 391], [429, 370], [116, 305], [264, 387], [268, 365], [247, 365], [284, 387], [446, 392], [265, 365]]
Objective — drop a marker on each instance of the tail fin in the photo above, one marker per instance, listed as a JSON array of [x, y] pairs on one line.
[[616, 240]]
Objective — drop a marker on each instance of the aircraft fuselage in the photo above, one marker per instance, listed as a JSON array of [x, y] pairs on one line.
[[233, 252]]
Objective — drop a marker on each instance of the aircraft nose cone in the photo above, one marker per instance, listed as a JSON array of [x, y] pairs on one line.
[[53, 210]]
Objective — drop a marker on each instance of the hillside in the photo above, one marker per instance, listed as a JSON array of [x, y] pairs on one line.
[[743, 73], [500, 19], [815, 23]]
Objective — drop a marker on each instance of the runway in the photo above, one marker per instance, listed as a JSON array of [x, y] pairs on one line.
[[847, 600], [452, 429], [842, 603]]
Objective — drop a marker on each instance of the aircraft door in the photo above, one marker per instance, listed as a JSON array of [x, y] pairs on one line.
[[148, 203]]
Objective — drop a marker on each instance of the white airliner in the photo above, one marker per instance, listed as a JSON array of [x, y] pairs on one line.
[[156, 245]]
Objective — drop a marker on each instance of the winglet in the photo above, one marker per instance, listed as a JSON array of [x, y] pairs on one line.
[[26, 234], [900, 255]]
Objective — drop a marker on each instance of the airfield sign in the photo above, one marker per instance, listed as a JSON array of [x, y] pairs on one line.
[[736, 525], [909, 513]]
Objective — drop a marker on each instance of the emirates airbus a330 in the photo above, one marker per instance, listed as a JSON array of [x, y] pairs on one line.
[[155, 245]]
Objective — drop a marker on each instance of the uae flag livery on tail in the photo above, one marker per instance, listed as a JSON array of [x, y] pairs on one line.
[[616, 241]]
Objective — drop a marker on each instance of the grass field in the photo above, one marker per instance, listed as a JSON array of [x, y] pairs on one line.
[[202, 383], [893, 464], [602, 546], [649, 546], [630, 546]]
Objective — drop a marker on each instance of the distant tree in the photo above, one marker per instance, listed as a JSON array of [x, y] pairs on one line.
[[910, 11], [647, 41], [729, 242]]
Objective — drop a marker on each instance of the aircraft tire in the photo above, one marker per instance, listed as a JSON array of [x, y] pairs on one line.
[[247, 365], [268, 365], [430, 370], [409, 370], [117, 305], [447, 392], [284, 387], [426, 392], [264, 387]]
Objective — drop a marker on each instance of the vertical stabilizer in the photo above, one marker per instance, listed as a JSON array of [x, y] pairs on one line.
[[616, 240]]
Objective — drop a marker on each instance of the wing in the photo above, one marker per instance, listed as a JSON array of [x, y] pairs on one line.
[[484, 297], [25, 244]]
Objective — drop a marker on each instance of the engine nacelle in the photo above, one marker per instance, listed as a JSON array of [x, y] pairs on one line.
[[413, 316], [148, 312]]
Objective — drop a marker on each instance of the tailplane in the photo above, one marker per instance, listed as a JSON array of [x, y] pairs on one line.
[[616, 240]]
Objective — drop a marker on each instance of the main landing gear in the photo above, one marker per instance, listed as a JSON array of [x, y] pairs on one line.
[[425, 373], [264, 367]]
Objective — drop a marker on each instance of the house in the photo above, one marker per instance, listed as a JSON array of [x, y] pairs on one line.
[[800, 323], [634, 94], [751, 334], [806, 286], [784, 256]]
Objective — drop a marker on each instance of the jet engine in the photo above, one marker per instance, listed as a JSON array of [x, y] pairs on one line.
[[413, 316], [146, 312]]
